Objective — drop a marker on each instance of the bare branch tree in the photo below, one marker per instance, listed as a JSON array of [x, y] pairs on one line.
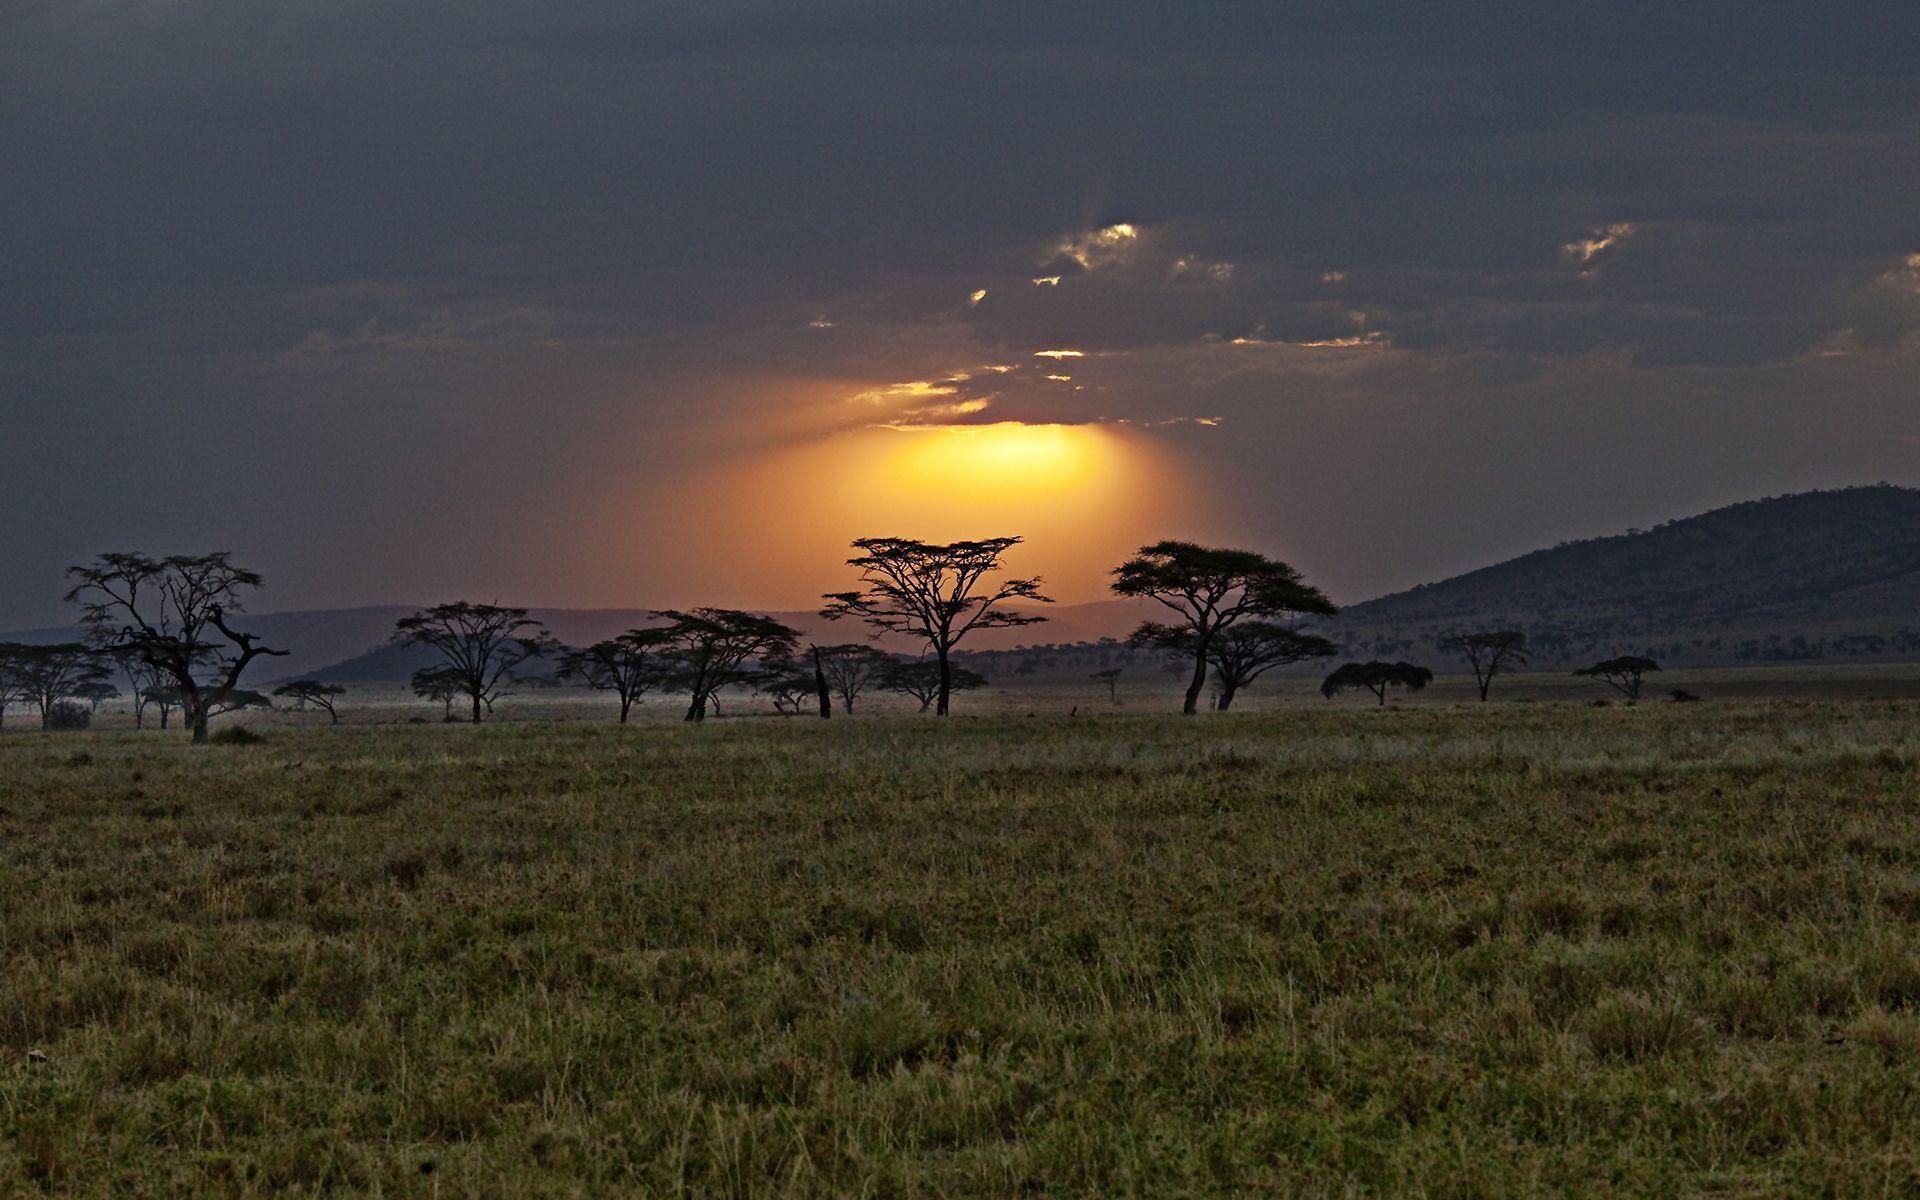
[[172, 614], [1489, 654]]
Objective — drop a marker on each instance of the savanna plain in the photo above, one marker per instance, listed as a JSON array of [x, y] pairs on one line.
[[1437, 949]]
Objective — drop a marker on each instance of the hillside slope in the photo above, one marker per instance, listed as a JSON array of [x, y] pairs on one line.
[[1831, 574]]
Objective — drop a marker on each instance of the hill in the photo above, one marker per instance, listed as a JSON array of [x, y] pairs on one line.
[[1819, 575]]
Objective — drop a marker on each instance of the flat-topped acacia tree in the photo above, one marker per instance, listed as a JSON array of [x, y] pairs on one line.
[[1376, 677], [479, 645], [706, 649], [1211, 589], [935, 593], [312, 691], [626, 665], [172, 615], [46, 674]]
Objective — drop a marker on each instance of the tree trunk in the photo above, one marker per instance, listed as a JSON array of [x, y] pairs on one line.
[[1226, 695], [697, 711], [820, 685], [1381, 692], [476, 708], [626, 702], [1194, 688], [946, 684], [199, 728]]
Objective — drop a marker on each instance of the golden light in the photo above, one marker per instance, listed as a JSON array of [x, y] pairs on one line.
[[1082, 496], [999, 461]]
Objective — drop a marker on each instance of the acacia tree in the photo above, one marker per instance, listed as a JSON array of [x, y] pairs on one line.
[[164, 698], [143, 680], [437, 683], [627, 665], [708, 649], [924, 680], [1376, 677], [1211, 589], [1623, 674], [480, 644], [1493, 653], [1240, 654], [935, 593], [311, 691], [171, 613], [96, 693], [12, 687], [238, 699], [44, 675], [849, 669], [1110, 677]]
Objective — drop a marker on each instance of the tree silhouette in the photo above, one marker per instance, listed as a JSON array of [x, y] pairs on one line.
[[143, 679], [1211, 589], [480, 644], [849, 668], [1623, 674], [708, 649], [12, 686], [934, 593], [437, 683], [627, 665], [236, 700], [1497, 652], [164, 698], [1110, 677], [1242, 653], [171, 613], [1376, 677], [791, 686], [924, 680], [311, 691], [97, 693]]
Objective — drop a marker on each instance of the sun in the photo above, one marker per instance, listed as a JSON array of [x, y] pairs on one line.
[[1002, 461]]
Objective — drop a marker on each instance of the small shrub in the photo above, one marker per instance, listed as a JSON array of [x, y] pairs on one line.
[[1682, 696], [68, 717], [236, 735]]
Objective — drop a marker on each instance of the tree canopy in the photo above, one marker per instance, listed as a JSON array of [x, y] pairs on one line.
[[1624, 674], [1210, 589], [311, 691], [708, 649], [1491, 653], [935, 593], [1376, 677], [172, 614], [627, 665], [480, 644], [923, 680]]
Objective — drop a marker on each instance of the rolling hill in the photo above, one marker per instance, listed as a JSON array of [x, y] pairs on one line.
[[1819, 575], [1832, 575]]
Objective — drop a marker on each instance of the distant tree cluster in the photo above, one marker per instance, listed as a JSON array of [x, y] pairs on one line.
[[167, 627]]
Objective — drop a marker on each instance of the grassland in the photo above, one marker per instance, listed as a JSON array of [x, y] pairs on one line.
[[1440, 950]]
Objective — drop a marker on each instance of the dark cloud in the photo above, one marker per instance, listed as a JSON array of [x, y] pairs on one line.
[[329, 255]]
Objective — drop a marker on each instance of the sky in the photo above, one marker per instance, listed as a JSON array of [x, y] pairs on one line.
[[596, 303]]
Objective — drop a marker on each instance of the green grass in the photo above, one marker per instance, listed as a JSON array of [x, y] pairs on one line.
[[1502, 950]]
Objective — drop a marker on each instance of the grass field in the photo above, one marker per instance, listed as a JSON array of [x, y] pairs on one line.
[[1437, 950]]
